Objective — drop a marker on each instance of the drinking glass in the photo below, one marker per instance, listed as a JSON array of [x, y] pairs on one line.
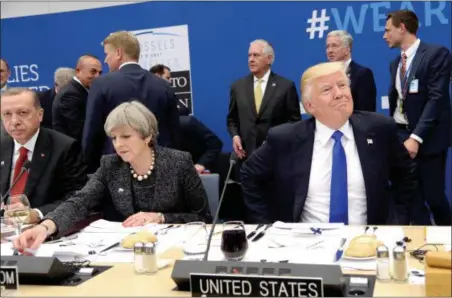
[[234, 244], [194, 242], [17, 211], [7, 230]]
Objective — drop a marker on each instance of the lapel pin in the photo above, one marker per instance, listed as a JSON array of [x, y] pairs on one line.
[[273, 84], [370, 141], [2, 163], [120, 190], [43, 155]]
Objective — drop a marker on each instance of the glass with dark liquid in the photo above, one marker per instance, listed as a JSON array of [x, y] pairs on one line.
[[234, 244]]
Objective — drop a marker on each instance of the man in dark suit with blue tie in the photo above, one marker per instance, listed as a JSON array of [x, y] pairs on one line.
[[335, 167], [339, 45], [126, 81], [419, 102]]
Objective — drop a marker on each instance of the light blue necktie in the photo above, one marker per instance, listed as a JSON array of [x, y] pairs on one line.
[[339, 191]]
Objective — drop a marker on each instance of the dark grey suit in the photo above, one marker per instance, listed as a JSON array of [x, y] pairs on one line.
[[280, 105], [178, 192]]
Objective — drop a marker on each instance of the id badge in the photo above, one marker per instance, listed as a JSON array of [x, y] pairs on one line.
[[414, 86]]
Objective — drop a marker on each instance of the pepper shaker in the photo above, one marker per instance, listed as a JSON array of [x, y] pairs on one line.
[[150, 258], [383, 272], [400, 263]]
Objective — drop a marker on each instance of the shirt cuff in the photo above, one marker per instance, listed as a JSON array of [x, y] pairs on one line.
[[39, 213], [413, 136]]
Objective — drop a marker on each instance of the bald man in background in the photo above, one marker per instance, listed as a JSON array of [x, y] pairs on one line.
[[69, 107]]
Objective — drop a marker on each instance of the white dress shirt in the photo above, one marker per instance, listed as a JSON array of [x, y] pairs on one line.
[[410, 53], [30, 146], [127, 63], [317, 205], [264, 81], [78, 81]]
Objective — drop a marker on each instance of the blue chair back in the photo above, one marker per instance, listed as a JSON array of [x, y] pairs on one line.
[[211, 183]]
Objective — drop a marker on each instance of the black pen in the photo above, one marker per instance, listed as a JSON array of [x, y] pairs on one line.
[[254, 232], [110, 247], [261, 233]]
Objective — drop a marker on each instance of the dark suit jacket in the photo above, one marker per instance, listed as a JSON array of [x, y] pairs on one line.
[[279, 105], [197, 139], [46, 98], [69, 110], [56, 169], [364, 91], [281, 167], [428, 111], [114, 88], [178, 193]]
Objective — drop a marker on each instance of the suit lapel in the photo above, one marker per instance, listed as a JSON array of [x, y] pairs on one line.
[[351, 72], [269, 90], [302, 148], [7, 148], [41, 156], [364, 144], [417, 59], [250, 94]]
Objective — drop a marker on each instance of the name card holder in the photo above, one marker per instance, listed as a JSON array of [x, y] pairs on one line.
[[9, 280], [241, 285]]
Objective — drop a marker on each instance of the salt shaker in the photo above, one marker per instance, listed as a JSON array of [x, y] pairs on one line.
[[400, 263], [150, 258], [383, 272], [138, 253]]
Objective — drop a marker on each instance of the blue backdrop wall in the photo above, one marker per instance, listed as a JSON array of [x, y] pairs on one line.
[[219, 34]]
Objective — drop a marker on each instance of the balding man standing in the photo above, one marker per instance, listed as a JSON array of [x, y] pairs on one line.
[[362, 83], [260, 101], [334, 167], [69, 107], [5, 72]]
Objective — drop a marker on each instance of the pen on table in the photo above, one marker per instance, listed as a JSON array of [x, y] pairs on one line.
[[110, 247], [340, 251], [261, 233], [254, 231]]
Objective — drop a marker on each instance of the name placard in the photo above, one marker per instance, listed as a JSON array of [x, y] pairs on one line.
[[9, 278], [238, 285]]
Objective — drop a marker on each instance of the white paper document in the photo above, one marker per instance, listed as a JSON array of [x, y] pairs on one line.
[[439, 235]]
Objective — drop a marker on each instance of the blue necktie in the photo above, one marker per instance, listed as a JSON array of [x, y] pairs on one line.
[[339, 191]]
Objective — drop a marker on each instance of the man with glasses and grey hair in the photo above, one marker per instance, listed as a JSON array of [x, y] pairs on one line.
[[259, 101], [339, 48], [62, 76]]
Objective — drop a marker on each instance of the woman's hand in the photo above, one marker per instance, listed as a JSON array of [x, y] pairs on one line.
[[30, 240], [141, 219]]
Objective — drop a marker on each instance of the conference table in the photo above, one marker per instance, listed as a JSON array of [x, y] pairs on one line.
[[122, 281]]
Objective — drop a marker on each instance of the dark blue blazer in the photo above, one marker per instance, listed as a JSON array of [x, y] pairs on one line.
[[46, 98], [114, 88], [275, 178], [428, 111], [362, 84]]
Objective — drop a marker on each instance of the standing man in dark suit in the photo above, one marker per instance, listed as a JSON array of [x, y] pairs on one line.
[[69, 107], [364, 92], [334, 167], [260, 101], [419, 102], [56, 170], [62, 77], [126, 80]]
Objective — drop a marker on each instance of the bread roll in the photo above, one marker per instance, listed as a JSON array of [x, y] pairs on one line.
[[142, 236], [363, 246]]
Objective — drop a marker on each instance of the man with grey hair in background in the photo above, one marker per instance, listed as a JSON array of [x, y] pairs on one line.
[[259, 101], [362, 83], [62, 76]]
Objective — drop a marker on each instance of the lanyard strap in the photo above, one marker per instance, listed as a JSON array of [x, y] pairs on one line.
[[404, 79]]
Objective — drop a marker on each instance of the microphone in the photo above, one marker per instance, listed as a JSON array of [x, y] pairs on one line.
[[26, 166], [232, 161]]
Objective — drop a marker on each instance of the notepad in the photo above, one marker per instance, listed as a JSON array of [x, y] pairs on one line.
[[438, 235]]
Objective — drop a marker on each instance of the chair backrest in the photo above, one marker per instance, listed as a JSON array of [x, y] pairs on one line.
[[211, 183]]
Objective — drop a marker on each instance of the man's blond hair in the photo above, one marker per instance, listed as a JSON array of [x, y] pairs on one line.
[[316, 71], [126, 41]]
